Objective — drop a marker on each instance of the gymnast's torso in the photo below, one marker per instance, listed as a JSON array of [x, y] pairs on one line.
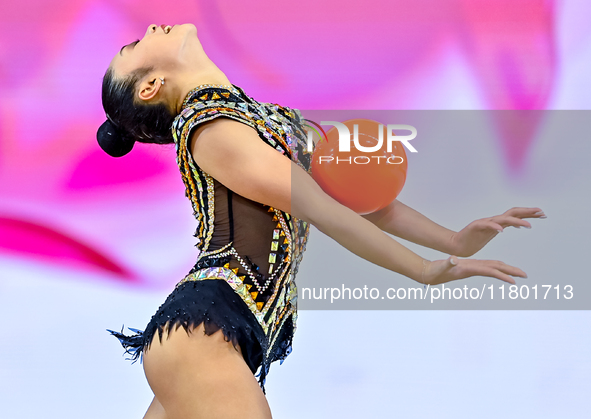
[[255, 248]]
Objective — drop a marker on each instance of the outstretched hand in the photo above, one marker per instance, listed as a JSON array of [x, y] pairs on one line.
[[452, 268], [478, 233]]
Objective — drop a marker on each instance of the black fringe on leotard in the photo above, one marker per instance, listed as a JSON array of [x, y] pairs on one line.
[[215, 304]]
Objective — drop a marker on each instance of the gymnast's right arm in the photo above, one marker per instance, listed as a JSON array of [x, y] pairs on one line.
[[233, 153]]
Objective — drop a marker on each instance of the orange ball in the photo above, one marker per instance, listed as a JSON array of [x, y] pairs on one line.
[[363, 181]]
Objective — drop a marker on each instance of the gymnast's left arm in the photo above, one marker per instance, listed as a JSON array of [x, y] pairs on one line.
[[404, 222]]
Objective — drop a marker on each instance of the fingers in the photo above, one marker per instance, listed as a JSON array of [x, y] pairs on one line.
[[522, 212], [464, 268], [514, 217], [492, 225], [510, 221], [510, 218], [505, 272], [499, 270], [499, 275], [499, 222], [454, 268], [487, 224]]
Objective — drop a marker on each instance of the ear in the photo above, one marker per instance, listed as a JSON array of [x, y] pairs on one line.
[[149, 88]]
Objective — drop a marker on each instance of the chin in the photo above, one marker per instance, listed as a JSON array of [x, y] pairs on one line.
[[189, 27]]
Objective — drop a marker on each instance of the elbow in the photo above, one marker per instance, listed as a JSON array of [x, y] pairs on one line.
[[318, 209], [303, 211], [309, 202]]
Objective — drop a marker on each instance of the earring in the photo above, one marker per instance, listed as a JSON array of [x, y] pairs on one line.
[[162, 80]]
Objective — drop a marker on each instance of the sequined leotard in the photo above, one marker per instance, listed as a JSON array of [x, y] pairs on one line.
[[252, 247]]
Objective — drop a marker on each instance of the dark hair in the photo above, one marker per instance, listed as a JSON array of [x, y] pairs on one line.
[[129, 121]]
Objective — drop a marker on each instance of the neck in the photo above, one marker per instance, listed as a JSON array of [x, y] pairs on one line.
[[206, 74]]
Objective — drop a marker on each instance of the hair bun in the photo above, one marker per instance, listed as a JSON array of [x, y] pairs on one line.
[[111, 140]]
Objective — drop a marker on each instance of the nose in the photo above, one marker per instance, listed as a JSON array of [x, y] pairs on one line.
[[151, 29]]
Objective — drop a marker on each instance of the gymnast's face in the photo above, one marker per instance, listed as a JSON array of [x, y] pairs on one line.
[[163, 48]]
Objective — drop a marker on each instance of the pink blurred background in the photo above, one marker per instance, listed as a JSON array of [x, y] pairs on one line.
[[76, 222]]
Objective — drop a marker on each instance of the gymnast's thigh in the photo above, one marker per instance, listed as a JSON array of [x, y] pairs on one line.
[[198, 376]]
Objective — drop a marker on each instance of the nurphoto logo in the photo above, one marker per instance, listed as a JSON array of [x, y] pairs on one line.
[[369, 141]]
